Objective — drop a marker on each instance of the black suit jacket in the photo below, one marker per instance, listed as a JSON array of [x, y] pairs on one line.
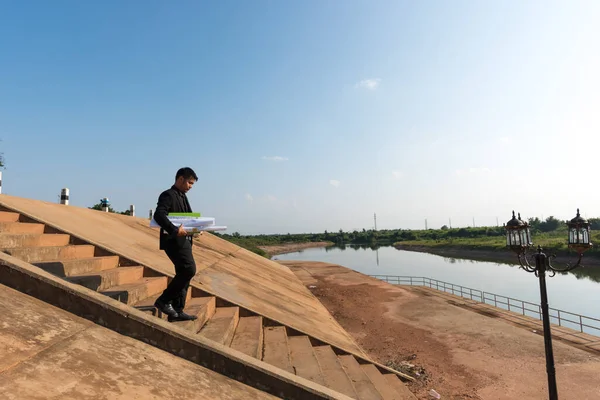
[[171, 201]]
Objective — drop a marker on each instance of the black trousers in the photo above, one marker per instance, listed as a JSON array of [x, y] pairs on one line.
[[185, 269]]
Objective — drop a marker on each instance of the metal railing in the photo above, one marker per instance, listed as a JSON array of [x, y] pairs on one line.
[[560, 317]]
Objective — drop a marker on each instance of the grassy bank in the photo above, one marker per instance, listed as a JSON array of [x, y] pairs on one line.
[[554, 242], [494, 248]]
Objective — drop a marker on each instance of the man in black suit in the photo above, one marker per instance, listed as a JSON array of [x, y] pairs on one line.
[[177, 243]]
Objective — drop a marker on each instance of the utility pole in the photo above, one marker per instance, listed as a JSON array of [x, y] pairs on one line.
[[473, 222], [450, 222], [425, 223], [375, 220], [497, 222]]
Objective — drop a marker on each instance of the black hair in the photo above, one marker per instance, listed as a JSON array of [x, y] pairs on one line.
[[186, 172]]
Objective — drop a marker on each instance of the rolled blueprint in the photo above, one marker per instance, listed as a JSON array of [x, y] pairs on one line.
[[191, 223]]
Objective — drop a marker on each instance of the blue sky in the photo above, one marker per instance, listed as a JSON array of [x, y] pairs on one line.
[[306, 116]]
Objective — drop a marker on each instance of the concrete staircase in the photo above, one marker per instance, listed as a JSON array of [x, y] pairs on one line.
[[223, 322]]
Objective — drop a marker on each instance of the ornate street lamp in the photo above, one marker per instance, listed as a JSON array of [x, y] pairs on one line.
[[518, 239]]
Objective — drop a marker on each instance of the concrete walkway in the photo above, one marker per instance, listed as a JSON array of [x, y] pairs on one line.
[[582, 340]]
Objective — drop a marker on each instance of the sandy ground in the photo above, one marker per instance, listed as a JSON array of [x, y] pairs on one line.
[[457, 352], [292, 247]]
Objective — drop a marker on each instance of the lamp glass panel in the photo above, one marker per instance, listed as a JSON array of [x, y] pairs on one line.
[[516, 239]]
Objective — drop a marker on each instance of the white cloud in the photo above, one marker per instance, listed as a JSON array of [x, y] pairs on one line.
[[505, 140], [271, 198], [275, 158], [334, 182], [397, 174], [473, 171], [370, 84], [249, 197]]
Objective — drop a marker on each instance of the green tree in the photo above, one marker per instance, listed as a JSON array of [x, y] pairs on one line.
[[98, 206], [550, 224], [534, 224], [594, 223]]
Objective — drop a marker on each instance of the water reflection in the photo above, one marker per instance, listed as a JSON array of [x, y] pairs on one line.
[[591, 273], [356, 247]]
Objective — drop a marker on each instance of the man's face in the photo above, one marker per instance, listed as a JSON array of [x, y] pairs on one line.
[[185, 184]]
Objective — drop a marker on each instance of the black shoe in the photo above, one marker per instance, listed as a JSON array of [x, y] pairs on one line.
[[182, 317], [166, 308]]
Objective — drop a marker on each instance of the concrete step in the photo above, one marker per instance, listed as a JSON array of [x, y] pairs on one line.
[[365, 389], [103, 280], [21, 227], [42, 254], [221, 326], [7, 216], [12, 240], [132, 293], [386, 390], [399, 386], [303, 358], [276, 351], [203, 308], [248, 336], [333, 372], [79, 266], [147, 305]]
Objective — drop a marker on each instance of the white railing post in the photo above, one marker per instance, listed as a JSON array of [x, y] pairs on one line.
[[105, 204], [64, 196]]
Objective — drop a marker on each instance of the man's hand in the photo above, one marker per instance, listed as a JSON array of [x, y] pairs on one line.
[[181, 231]]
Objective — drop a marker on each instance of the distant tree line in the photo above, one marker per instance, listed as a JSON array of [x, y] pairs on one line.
[[98, 206], [385, 237]]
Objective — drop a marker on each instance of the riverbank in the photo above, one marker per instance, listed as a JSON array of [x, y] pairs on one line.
[[480, 253], [459, 353], [284, 248]]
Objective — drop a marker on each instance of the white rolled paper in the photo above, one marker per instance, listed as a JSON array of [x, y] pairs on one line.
[[192, 224]]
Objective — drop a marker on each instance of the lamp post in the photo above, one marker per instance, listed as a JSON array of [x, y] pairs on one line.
[[518, 239]]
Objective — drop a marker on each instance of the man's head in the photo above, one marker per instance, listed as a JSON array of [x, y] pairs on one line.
[[185, 179]]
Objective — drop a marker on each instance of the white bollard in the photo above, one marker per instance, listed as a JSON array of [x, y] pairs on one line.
[[132, 210], [64, 196]]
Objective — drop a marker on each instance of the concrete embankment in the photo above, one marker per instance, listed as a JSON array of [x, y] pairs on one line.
[[450, 347]]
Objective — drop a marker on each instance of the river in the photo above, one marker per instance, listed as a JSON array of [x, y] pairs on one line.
[[572, 292]]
